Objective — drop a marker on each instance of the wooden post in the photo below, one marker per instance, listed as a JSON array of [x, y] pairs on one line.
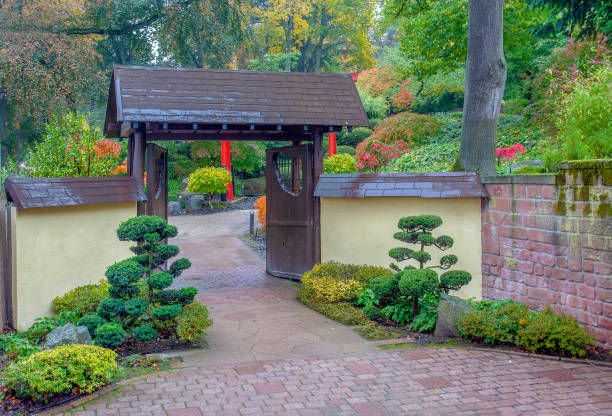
[[317, 171], [138, 163], [4, 272]]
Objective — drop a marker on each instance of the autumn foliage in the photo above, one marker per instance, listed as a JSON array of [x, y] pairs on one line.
[[373, 155], [260, 205], [388, 83]]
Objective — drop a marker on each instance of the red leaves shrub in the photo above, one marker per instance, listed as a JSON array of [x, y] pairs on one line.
[[511, 152], [408, 127], [373, 155]]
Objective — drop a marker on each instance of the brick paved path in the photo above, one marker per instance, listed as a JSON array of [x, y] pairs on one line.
[[425, 381], [271, 355]]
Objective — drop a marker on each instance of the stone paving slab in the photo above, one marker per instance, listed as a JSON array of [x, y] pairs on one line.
[[424, 381]]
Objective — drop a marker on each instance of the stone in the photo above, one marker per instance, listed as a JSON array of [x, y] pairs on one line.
[[173, 208], [186, 195], [184, 183], [533, 163], [450, 309], [195, 203], [66, 335]]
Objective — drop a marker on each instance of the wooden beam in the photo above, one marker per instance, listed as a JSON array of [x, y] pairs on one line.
[[126, 129], [236, 135]]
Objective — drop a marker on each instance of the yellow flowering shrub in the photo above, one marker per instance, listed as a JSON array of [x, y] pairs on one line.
[[329, 290], [209, 181], [65, 369], [340, 163]]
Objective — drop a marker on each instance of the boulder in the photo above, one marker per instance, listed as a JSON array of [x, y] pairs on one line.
[[186, 195], [450, 309], [66, 335], [254, 186], [195, 203], [173, 208]]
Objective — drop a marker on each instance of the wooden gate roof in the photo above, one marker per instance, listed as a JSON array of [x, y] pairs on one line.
[[258, 100]]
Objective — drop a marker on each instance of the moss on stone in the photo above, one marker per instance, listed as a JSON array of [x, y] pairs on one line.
[[560, 207], [530, 170], [587, 209], [604, 210]]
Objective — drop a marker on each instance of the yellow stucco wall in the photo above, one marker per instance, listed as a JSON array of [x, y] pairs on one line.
[[56, 249], [360, 231]]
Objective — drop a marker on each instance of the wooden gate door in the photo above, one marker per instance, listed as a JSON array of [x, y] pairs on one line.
[[157, 181], [291, 234]]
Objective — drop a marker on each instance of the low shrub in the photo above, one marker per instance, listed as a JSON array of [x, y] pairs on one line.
[[192, 323], [83, 299], [346, 150], [495, 326], [353, 138], [144, 333], [365, 273], [209, 180], [385, 288], [333, 269], [65, 369], [342, 312], [340, 163], [330, 290], [549, 332]]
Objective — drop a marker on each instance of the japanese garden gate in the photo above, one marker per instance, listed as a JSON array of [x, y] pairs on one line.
[[154, 104]]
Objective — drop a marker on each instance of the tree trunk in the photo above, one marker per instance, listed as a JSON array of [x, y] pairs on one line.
[[485, 80], [4, 275]]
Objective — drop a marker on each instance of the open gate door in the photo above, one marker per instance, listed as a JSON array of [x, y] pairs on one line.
[[157, 181], [291, 233]]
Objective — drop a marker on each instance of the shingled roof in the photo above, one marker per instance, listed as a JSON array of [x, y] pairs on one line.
[[424, 185], [55, 192], [213, 96]]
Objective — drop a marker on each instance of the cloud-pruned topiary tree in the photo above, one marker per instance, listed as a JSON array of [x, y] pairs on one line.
[[138, 293], [415, 282]]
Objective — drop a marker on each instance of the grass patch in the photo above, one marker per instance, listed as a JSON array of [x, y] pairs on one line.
[[374, 332], [443, 344], [342, 312], [136, 365], [397, 346]]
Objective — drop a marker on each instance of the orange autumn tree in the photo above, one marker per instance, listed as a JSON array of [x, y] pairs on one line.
[[389, 84], [260, 205]]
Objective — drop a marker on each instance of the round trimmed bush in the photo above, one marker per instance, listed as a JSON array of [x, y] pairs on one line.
[[135, 229], [166, 312], [417, 282], [375, 314], [91, 321], [123, 292], [188, 294], [211, 180], [111, 307], [110, 334], [160, 280], [454, 280], [61, 370], [419, 222], [136, 306], [144, 333], [124, 273], [177, 267], [385, 288]]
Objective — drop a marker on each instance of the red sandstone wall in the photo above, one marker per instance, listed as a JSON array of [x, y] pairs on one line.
[[551, 243]]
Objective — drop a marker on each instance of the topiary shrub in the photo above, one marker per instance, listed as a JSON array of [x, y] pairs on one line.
[[417, 282], [137, 294], [82, 299], [192, 323], [110, 334], [65, 369], [549, 332], [340, 163], [209, 181]]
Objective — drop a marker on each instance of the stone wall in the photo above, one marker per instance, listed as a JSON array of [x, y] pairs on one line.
[[547, 240]]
